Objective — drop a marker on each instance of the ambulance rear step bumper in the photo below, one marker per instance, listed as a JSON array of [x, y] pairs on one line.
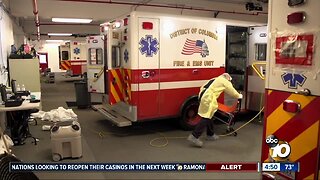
[[113, 116]]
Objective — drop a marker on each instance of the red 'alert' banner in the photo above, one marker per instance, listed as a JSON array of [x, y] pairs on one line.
[[232, 167]]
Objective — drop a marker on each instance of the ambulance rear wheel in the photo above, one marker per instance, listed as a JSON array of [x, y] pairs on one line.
[[190, 117], [56, 157]]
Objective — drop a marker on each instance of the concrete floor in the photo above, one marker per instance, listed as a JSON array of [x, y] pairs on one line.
[[131, 144]]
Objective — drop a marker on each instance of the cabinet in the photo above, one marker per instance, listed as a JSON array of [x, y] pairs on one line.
[[236, 61], [25, 71]]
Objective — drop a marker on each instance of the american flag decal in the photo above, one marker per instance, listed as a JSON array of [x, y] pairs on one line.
[[195, 46]]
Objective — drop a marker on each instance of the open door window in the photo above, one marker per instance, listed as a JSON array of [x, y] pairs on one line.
[[261, 51], [115, 77], [116, 61], [96, 56], [65, 55]]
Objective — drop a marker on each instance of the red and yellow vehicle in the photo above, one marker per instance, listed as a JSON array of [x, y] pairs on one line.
[[292, 92], [73, 58], [154, 64]]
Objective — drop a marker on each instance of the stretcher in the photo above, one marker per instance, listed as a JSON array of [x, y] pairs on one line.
[[225, 114]]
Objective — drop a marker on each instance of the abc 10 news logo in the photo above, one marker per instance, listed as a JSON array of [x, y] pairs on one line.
[[279, 150]]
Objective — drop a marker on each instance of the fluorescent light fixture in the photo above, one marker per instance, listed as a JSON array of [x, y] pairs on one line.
[[71, 20], [59, 34], [54, 41]]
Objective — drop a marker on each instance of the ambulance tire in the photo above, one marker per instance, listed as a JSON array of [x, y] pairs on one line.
[[56, 157], [189, 115]]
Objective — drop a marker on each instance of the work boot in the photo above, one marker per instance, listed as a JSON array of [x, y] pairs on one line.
[[212, 138], [195, 141]]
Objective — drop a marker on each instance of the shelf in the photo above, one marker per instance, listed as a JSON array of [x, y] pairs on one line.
[[237, 56], [241, 42]]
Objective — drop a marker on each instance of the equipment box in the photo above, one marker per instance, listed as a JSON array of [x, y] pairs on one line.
[[66, 141]]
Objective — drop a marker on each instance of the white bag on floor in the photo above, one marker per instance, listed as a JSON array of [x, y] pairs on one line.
[[56, 115]]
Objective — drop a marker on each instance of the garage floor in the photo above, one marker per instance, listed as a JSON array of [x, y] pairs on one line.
[[131, 144]]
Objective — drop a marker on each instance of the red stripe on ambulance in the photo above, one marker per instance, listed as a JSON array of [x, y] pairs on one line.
[[310, 159], [172, 75], [299, 125], [276, 98]]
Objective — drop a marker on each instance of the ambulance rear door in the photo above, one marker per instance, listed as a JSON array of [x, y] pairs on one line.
[[95, 64]]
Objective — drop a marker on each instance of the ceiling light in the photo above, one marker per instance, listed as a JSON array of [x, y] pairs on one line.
[[54, 41], [71, 20], [59, 34]]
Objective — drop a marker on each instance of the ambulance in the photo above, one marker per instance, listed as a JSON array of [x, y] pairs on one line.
[[73, 58], [292, 115], [64, 56], [154, 65]]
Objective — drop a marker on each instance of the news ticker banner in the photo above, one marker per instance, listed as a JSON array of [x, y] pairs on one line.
[[200, 167]]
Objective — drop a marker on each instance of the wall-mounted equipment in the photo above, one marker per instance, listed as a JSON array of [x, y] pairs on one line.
[[295, 2], [253, 6]]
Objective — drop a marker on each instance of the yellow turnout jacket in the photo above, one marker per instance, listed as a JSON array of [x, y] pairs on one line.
[[208, 102]]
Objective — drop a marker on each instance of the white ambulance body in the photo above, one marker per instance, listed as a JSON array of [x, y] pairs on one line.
[[78, 58], [156, 63], [292, 113]]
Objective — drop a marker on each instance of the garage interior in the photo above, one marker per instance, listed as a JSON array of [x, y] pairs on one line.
[[132, 144], [106, 64]]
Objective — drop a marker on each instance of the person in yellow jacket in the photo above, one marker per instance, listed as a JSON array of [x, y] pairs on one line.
[[208, 96]]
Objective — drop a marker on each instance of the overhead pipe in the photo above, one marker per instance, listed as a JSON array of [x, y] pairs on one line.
[[163, 6], [36, 17]]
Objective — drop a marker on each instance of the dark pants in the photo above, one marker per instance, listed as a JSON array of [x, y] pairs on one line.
[[201, 126]]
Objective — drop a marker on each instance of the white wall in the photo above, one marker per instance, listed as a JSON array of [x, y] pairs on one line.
[[18, 35], [10, 33], [6, 40], [53, 53], [53, 56]]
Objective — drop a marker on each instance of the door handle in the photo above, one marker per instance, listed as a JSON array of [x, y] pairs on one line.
[[195, 71], [145, 74], [305, 92]]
